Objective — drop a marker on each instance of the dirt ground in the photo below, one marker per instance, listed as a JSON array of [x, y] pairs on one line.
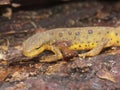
[[101, 72]]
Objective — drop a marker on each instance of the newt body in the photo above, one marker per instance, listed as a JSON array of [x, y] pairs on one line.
[[83, 38]]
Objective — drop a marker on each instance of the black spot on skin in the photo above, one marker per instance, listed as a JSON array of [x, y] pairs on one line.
[[117, 41], [70, 33], [60, 34], [96, 41], [90, 31], [88, 42], [75, 48], [116, 34], [107, 32], [79, 45], [85, 45], [77, 33], [92, 43]]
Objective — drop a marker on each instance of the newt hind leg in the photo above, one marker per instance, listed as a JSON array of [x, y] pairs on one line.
[[96, 50]]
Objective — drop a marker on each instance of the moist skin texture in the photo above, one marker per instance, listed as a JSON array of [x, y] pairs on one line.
[[81, 38]]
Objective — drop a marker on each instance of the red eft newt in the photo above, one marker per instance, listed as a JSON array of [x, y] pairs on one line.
[[81, 38]]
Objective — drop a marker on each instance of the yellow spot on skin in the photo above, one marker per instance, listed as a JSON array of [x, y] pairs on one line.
[[84, 46]]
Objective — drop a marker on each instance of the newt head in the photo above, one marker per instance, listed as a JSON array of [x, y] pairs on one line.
[[34, 45]]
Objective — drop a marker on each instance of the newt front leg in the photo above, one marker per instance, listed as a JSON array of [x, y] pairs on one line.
[[52, 58]]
